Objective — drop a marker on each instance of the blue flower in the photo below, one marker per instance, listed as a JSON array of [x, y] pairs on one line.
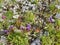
[[28, 27], [11, 26], [6, 31], [51, 19]]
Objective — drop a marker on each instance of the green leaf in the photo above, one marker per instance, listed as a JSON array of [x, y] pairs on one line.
[[52, 7], [34, 1], [58, 21], [9, 14], [29, 17]]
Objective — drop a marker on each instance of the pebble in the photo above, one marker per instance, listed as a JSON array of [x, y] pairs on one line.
[[2, 33], [36, 42], [3, 40], [57, 16]]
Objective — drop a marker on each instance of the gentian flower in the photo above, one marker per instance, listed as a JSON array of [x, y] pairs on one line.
[[11, 28], [28, 27], [51, 19], [3, 16], [6, 31]]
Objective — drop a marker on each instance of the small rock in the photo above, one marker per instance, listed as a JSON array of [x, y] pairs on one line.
[[36, 42], [2, 32], [57, 16], [3, 40]]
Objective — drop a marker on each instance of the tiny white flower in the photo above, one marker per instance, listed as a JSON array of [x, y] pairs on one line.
[[33, 8], [15, 7], [46, 27], [27, 7], [14, 11], [11, 21], [58, 6], [53, 20], [16, 16], [17, 31], [4, 7], [40, 21], [24, 2], [36, 22], [29, 3]]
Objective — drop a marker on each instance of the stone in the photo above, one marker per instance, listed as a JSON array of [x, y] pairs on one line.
[[3, 40], [36, 42], [2, 32], [57, 16]]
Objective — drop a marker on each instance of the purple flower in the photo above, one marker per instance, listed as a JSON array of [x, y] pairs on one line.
[[11, 26], [6, 31], [3, 17], [28, 27], [50, 19]]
